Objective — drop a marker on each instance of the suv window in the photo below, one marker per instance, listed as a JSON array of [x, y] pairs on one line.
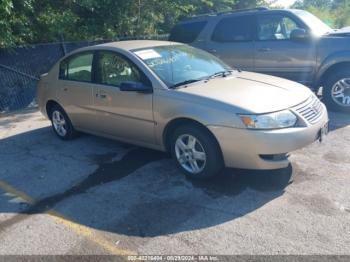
[[275, 27], [234, 29], [77, 68], [114, 69], [186, 33]]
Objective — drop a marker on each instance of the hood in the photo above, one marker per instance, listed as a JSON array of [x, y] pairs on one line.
[[251, 92], [340, 32]]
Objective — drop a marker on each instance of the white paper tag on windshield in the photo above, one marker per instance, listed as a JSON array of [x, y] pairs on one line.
[[148, 54]]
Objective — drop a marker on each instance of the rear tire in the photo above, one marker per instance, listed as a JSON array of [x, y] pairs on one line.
[[336, 90], [196, 152], [61, 124]]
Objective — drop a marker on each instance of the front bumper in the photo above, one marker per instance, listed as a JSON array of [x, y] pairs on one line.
[[244, 148]]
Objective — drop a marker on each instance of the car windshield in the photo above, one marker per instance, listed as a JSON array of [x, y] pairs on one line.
[[317, 27], [178, 65]]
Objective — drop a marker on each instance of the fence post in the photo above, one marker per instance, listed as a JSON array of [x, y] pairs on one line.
[[63, 45]]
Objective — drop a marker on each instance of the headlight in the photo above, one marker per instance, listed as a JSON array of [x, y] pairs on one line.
[[275, 120]]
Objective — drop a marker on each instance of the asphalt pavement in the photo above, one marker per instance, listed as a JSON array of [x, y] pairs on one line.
[[97, 196]]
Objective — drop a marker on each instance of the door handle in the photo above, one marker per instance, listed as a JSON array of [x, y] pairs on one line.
[[65, 89], [103, 96], [264, 49], [213, 51]]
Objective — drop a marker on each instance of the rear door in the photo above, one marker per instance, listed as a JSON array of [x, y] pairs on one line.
[[232, 41], [276, 54], [75, 89]]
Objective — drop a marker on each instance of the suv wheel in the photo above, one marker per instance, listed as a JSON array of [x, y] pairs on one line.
[[196, 152], [61, 123], [337, 90]]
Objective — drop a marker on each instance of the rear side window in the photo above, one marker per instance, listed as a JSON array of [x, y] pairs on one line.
[[77, 68], [187, 33], [234, 29]]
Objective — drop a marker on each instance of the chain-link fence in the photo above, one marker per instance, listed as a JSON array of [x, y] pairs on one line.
[[21, 67]]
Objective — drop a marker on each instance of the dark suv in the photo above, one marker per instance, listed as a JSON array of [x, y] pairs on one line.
[[288, 43]]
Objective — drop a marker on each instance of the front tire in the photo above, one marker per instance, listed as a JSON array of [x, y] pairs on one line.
[[336, 90], [61, 124], [196, 152]]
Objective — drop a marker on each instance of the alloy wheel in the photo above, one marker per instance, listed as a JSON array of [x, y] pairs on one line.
[[59, 123], [190, 153], [341, 92]]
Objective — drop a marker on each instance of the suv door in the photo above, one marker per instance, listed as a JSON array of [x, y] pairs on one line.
[[75, 89], [232, 41], [123, 114], [277, 54]]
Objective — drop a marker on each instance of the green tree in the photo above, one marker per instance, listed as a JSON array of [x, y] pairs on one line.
[[341, 10], [14, 26], [6, 37], [333, 12], [33, 21]]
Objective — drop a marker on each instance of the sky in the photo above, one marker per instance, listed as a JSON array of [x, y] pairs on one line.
[[285, 3]]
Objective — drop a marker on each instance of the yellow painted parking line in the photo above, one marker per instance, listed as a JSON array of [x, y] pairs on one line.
[[13, 191], [80, 230], [89, 234]]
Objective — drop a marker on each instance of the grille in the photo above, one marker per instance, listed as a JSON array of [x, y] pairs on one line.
[[311, 109]]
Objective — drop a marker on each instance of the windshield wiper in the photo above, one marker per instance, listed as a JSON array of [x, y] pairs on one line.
[[221, 74], [190, 81]]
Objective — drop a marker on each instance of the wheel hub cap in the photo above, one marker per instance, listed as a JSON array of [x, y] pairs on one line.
[[190, 154], [341, 92], [59, 123]]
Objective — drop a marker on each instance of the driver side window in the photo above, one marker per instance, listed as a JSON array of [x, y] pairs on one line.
[[275, 27], [114, 69]]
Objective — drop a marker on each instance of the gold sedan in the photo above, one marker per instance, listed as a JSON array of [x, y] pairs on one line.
[[173, 97]]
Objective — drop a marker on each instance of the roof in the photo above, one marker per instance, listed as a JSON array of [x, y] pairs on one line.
[[204, 16], [136, 44], [126, 45]]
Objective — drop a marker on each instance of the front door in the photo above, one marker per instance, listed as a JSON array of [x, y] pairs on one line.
[[123, 114], [276, 54]]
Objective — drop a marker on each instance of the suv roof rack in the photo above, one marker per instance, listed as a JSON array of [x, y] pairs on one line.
[[227, 12], [244, 10]]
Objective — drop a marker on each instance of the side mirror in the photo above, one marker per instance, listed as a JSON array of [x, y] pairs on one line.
[[135, 86], [299, 35]]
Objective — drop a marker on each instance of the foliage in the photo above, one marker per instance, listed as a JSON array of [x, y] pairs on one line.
[[333, 12], [14, 25], [34, 21], [342, 11]]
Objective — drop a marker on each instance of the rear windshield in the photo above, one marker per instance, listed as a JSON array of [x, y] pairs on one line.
[[186, 33]]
